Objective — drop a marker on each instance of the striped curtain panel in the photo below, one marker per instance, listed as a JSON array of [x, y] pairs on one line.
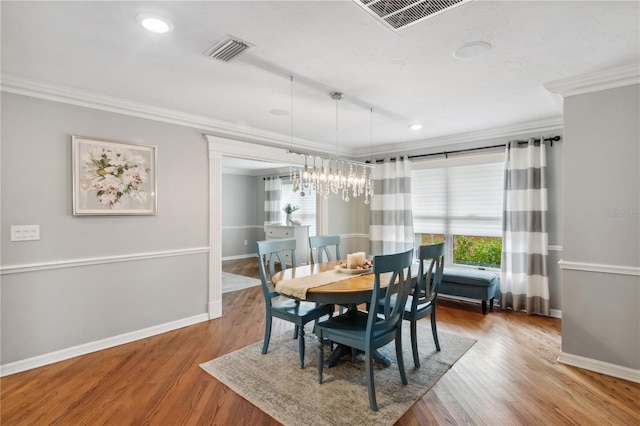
[[272, 200], [391, 225], [524, 284]]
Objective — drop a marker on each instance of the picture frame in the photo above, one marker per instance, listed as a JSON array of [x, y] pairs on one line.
[[113, 178]]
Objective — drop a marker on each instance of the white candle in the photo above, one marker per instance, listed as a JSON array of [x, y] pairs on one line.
[[351, 259], [361, 257]]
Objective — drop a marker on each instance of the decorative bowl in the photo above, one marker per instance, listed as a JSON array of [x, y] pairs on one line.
[[353, 271]]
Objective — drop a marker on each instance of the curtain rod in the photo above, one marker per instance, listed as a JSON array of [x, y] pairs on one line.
[[446, 153], [273, 177]]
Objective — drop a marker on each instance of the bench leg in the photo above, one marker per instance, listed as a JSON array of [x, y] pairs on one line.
[[491, 304], [484, 307]]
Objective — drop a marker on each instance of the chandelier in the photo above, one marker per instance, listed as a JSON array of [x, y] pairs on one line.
[[332, 175]]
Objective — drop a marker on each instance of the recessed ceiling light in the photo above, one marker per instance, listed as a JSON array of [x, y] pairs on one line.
[[472, 50], [154, 23], [415, 126]]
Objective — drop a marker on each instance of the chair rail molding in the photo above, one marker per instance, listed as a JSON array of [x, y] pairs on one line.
[[74, 263], [596, 267], [243, 227]]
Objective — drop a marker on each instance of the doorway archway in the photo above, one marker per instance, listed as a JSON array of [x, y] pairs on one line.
[[218, 148]]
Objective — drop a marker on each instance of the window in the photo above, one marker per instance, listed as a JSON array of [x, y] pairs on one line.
[[459, 201], [306, 215]]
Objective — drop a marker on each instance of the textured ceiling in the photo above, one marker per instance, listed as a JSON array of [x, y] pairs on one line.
[[406, 77]]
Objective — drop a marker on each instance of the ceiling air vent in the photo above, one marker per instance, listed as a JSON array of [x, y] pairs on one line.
[[229, 48], [399, 14]]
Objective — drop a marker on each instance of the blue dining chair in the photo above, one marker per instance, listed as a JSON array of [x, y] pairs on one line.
[[368, 331], [296, 311], [322, 243], [422, 302]]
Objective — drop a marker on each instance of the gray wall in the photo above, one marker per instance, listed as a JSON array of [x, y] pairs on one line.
[[241, 218], [601, 309], [57, 308], [350, 220]]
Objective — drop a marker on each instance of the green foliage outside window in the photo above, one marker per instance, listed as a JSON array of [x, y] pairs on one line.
[[477, 251]]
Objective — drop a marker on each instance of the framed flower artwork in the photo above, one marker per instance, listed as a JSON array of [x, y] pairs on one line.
[[113, 178]]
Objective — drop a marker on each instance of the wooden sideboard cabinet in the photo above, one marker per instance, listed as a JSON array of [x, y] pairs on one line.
[[301, 235]]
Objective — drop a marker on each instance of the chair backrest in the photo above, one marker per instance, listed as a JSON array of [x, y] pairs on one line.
[[322, 243], [431, 259], [395, 270], [270, 251]]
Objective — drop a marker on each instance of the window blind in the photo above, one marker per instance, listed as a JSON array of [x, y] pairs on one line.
[[458, 199]]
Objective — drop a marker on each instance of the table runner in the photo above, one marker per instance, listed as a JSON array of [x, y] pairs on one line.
[[297, 287]]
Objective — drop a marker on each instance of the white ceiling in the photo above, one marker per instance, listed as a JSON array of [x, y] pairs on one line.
[[406, 77]]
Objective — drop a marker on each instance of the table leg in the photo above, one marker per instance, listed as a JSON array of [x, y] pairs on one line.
[[342, 350]]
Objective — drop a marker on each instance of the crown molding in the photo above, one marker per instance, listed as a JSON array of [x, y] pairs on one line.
[[26, 87], [597, 81], [17, 85], [254, 173], [530, 127]]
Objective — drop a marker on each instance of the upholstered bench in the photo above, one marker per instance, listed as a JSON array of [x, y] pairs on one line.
[[470, 283]]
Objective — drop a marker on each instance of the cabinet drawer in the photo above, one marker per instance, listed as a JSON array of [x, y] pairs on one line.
[[279, 232]]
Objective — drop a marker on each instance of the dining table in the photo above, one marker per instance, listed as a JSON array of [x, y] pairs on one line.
[[328, 283]]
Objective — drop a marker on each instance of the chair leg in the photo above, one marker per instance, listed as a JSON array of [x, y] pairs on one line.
[[368, 366], [400, 358], [434, 330], [484, 307], [320, 358], [301, 345], [295, 332], [414, 343], [267, 334]]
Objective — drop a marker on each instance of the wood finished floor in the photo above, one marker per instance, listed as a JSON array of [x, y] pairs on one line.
[[509, 377]]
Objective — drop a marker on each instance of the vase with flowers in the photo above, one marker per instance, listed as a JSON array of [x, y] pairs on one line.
[[289, 209]]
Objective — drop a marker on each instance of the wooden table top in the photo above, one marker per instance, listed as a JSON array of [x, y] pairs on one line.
[[356, 284]]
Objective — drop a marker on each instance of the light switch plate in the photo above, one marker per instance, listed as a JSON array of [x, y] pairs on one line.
[[25, 232]]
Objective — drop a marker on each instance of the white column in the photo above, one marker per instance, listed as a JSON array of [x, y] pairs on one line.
[[215, 234]]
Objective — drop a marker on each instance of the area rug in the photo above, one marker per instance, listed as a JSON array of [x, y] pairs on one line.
[[233, 282], [277, 385]]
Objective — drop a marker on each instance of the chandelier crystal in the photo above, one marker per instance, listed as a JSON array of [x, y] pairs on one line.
[[326, 176], [332, 175]]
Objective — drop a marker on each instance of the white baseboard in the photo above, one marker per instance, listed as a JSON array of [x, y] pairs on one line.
[[215, 309], [61, 355], [239, 256], [600, 367], [553, 313]]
